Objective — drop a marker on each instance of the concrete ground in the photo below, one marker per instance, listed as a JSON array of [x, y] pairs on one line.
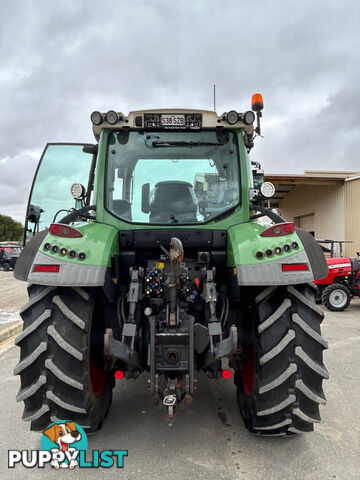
[[13, 294], [207, 440]]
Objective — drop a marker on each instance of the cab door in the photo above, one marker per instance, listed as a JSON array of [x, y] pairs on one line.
[[61, 165]]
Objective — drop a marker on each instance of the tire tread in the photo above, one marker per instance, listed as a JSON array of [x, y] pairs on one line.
[[289, 369]]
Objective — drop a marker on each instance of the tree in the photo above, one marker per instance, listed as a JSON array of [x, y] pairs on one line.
[[10, 229]]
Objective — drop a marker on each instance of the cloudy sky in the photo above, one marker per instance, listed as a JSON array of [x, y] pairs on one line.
[[61, 60]]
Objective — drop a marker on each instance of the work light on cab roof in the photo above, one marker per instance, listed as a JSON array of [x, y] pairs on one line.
[[96, 118], [112, 117]]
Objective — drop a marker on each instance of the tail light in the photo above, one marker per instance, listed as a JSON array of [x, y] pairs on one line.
[[47, 268], [294, 267], [119, 374], [278, 230], [61, 230], [226, 373]]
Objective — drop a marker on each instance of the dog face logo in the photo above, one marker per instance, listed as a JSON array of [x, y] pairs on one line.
[[64, 434]]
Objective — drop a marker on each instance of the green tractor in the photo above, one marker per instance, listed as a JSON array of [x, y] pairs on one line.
[[164, 266]]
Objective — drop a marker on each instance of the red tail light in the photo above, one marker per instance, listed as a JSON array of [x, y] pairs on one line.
[[226, 373], [294, 267], [278, 230], [61, 230], [119, 374], [47, 268]]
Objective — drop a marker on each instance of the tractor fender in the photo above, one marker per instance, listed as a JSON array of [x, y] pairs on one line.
[[27, 256], [314, 253], [97, 244], [247, 254]]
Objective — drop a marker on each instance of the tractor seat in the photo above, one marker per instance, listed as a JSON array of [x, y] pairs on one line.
[[122, 208], [173, 201]]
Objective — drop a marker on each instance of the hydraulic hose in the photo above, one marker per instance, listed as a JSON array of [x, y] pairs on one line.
[[81, 213], [267, 211]]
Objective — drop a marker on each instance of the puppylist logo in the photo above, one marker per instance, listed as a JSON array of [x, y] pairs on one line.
[[64, 445]]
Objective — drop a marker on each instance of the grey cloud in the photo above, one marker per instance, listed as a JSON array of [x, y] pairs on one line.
[[62, 60]]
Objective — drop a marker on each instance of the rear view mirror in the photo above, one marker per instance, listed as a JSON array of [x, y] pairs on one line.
[[34, 213], [145, 198]]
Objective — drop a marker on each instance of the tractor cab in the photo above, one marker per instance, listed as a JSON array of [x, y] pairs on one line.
[[154, 167]]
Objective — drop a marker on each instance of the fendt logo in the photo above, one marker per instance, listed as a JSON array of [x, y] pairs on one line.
[[64, 445]]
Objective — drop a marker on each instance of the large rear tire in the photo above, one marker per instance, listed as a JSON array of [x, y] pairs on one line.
[[61, 359], [279, 388]]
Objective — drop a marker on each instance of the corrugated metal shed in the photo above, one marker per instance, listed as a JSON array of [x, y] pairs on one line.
[[352, 213], [324, 203]]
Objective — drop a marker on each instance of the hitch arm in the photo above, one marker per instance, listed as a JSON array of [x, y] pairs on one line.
[[210, 296]]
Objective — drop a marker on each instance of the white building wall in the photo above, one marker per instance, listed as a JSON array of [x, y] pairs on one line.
[[326, 203]]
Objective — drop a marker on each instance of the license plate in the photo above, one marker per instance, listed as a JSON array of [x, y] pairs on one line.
[[173, 120]]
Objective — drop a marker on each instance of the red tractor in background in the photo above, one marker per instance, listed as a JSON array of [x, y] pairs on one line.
[[341, 284]]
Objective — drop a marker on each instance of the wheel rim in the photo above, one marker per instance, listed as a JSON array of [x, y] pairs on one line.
[[338, 298], [248, 371], [98, 376]]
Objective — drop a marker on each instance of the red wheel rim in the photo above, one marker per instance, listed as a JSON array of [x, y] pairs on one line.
[[248, 371], [98, 376]]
